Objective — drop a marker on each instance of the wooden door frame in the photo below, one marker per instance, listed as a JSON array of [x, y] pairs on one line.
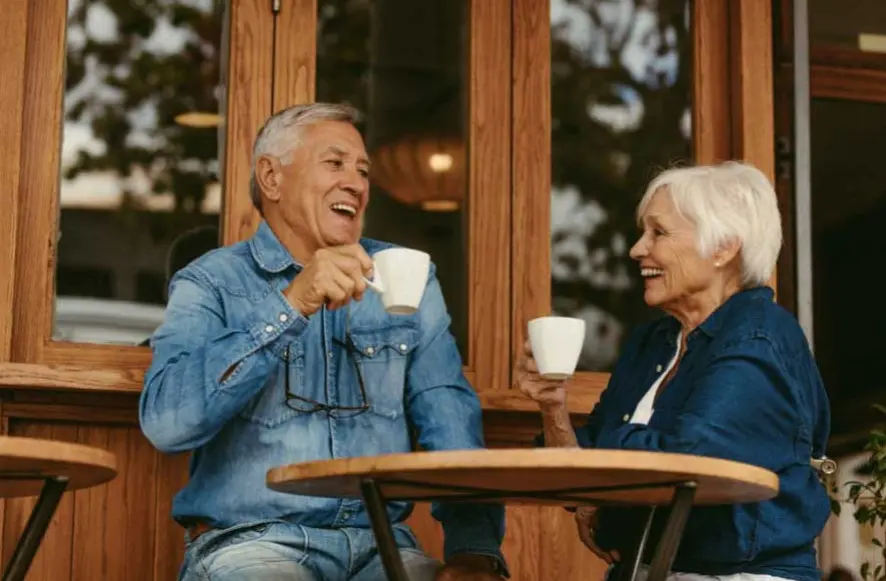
[[732, 117]]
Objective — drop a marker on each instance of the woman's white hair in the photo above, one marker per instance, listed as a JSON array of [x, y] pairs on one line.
[[728, 201], [281, 134]]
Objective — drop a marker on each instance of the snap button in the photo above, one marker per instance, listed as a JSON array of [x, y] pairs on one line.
[[269, 329], [626, 417], [329, 354], [403, 347], [370, 350], [658, 368], [283, 318]]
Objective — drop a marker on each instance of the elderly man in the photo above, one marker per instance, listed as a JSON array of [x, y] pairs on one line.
[[271, 353]]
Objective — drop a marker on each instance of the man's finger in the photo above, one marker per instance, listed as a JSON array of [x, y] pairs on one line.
[[356, 251]]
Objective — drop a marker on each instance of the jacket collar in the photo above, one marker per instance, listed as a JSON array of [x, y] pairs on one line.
[[712, 325], [268, 252]]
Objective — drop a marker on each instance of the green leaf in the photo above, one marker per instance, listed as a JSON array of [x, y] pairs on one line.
[[877, 542], [865, 567], [836, 507]]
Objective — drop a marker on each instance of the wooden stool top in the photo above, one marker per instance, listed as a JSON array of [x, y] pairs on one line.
[[26, 462]]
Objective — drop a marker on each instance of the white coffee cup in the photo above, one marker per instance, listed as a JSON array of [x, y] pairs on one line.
[[399, 276], [556, 345]]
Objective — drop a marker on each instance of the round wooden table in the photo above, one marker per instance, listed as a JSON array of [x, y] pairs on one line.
[[535, 476], [30, 466]]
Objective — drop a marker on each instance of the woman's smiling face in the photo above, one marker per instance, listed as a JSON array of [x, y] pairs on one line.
[[672, 267]]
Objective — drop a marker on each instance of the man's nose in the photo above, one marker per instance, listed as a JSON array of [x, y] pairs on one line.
[[354, 183]]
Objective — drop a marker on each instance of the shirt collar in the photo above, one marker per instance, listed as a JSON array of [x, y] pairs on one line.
[[712, 325], [267, 250]]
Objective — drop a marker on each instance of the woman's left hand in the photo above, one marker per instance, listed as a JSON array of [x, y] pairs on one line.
[[586, 519]]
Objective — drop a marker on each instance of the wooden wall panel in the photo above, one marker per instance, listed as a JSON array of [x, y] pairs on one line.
[[114, 525], [169, 547]]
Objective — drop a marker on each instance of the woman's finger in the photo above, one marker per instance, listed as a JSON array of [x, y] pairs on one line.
[[586, 534]]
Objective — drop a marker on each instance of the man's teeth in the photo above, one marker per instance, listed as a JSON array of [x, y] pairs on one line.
[[345, 208], [647, 272]]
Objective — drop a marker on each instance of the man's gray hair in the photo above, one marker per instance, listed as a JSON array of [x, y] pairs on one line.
[[728, 201], [281, 134]]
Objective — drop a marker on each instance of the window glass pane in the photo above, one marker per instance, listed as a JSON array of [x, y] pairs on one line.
[[621, 91], [848, 213], [860, 24], [140, 184], [403, 64]]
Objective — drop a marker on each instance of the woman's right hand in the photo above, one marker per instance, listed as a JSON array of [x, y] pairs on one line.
[[548, 394]]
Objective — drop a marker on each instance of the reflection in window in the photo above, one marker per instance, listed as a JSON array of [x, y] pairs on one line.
[[402, 63], [621, 90], [139, 157], [848, 213]]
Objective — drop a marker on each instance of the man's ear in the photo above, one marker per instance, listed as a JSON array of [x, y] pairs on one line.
[[269, 176], [727, 252]]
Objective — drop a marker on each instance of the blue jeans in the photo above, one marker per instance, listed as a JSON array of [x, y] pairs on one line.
[[287, 552]]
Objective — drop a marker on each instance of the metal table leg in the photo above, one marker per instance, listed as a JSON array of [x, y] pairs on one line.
[[681, 505], [636, 557], [384, 532], [38, 522]]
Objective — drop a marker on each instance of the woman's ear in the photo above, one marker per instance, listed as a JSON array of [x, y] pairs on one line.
[[269, 176], [727, 252]]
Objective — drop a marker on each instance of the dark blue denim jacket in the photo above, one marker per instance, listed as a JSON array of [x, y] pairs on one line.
[[747, 389], [226, 311]]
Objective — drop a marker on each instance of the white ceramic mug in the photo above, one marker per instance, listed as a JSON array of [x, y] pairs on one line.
[[399, 276], [556, 345]]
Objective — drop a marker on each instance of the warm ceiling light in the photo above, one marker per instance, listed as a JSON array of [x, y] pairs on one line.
[[440, 162], [426, 171], [439, 205], [199, 119]]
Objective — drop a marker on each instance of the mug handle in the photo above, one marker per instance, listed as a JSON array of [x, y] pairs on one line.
[[375, 283]]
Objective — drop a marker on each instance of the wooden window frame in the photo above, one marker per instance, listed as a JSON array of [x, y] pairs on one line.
[[276, 55], [732, 117], [29, 356]]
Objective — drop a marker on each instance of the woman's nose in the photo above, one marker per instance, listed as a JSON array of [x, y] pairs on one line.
[[638, 250]]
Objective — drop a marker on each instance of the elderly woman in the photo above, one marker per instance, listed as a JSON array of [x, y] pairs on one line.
[[725, 372]]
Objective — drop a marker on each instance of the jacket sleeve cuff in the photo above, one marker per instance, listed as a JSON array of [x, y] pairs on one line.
[[275, 323], [472, 528]]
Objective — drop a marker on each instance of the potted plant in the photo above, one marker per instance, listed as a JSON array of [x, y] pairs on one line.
[[868, 496]]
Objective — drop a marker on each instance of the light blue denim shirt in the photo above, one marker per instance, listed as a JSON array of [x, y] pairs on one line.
[[217, 387]]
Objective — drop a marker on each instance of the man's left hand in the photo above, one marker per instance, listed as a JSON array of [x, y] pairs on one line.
[[465, 567]]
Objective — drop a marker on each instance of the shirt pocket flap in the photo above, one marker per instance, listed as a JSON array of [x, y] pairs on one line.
[[380, 344]]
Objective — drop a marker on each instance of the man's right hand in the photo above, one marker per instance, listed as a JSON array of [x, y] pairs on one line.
[[333, 276]]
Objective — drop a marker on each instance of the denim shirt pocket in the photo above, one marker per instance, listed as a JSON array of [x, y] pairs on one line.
[[383, 357], [269, 407]]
